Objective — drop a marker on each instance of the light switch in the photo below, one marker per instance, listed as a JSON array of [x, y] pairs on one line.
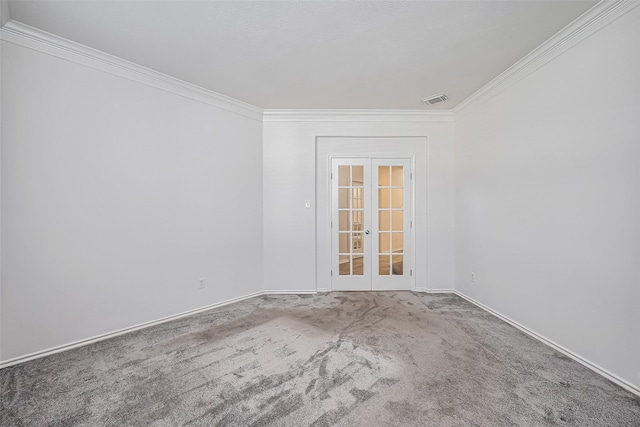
[[307, 204]]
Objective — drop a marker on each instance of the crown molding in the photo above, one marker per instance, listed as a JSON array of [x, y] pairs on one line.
[[357, 116], [587, 24], [41, 41], [580, 29]]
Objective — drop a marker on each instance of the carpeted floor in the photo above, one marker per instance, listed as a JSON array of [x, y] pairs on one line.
[[369, 359]]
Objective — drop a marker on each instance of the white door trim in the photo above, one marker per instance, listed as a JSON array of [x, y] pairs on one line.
[[415, 148]]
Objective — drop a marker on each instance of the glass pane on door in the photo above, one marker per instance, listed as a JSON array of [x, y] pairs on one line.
[[351, 241], [390, 213], [396, 265], [345, 265], [383, 220], [343, 220], [383, 263]]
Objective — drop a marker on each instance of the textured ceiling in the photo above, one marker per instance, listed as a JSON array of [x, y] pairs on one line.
[[314, 54]]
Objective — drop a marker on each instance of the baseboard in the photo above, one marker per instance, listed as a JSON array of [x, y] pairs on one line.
[[323, 290], [36, 355], [420, 289], [597, 369], [287, 292], [102, 337]]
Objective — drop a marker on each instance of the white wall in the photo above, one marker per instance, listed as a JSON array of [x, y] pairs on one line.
[[4, 12], [548, 200], [4, 17], [116, 198], [289, 179]]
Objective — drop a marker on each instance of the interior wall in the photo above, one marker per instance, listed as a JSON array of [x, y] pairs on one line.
[[117, 198], [290, 179], [548, 199], [4, 17], [4, 12]]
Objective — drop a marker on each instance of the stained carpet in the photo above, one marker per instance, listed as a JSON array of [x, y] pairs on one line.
[[347, 359]]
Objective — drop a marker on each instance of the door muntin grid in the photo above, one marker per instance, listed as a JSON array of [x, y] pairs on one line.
[[371, 224], [351, 220], [391, 225]]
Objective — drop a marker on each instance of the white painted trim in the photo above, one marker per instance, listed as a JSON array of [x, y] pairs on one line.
[[289, 292], [322, 290], [108, 335], [427, 217], [412, 213], [580, 29], [597, 369], [420, 289], [439, 291], [36, 355], [41, 41], [102, 337], [357, 116], [323, 158], [4, 11]]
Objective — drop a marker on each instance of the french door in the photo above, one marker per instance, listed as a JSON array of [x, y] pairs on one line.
[[371, 224]]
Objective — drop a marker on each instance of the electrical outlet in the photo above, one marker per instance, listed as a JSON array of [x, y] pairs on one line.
[[201, 283], [473, 277]]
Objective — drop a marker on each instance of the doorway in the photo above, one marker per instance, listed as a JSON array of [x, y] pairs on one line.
[[371, 221]]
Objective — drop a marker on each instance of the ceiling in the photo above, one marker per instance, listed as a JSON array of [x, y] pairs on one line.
[[314, 54]]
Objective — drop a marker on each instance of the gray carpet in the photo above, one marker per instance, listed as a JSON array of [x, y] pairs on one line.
[[392, 358]]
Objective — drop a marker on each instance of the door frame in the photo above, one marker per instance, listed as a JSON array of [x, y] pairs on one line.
[[371, 252], [413, 148]]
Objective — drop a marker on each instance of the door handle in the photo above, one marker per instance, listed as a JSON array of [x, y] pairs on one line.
[[367, 232]]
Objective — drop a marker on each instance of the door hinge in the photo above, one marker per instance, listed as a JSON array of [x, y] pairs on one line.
[[331, 273], [331, 224], [411, 175], [410, 272], [410, 224], [331, 175]]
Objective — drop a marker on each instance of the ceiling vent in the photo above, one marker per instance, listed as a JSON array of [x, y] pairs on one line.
[[435, 99]]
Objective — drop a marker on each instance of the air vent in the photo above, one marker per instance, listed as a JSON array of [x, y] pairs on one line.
[[435, 99]]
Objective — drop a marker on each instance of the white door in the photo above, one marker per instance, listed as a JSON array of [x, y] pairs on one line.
[[371, 224]]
